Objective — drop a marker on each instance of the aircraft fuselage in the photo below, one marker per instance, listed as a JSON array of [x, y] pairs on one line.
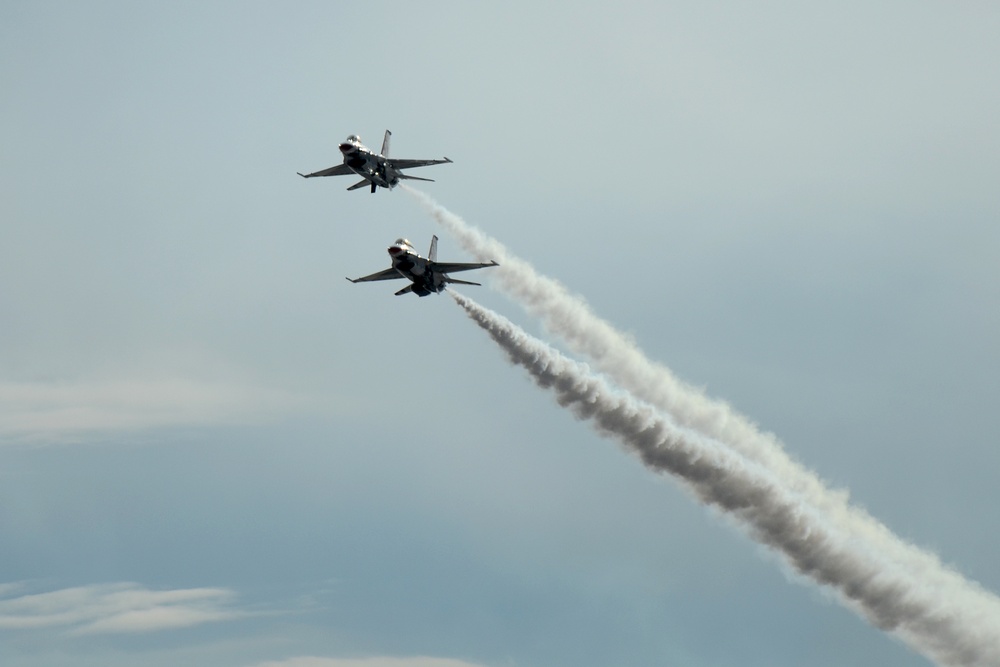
[[369, 165]]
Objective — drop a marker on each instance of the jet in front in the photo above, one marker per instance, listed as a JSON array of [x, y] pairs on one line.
[[426, 275], [377, 169]]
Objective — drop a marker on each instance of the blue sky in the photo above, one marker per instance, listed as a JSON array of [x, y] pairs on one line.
[[215, 450]]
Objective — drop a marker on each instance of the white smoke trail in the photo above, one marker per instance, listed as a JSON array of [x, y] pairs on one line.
[[616, 355], [890, 598]]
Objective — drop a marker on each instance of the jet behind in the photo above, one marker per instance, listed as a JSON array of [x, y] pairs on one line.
[[377, 169], [426, 275]]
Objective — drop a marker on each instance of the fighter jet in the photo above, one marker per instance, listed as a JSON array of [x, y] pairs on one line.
[[426, 275], [377, 169]]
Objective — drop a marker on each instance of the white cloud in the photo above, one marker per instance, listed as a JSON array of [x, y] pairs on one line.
[[421, 661], [116, 608], [64, 411]]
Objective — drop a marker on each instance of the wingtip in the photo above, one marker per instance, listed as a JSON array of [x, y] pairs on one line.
[[301, 174], [448, 159]]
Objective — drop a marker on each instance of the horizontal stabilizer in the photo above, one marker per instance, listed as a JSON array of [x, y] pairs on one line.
[[403, 176], [408, 288], [461, 282], [362, 184]]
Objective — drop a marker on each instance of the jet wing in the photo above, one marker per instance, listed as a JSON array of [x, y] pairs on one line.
[[410, 164], [339, 170], [445, 267], [388, 274]]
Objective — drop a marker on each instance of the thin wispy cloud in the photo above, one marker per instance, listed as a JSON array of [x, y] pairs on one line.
[[116, 608], [420, 661], [73, 411]]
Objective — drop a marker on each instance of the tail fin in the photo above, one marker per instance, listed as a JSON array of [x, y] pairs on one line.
[[432, 254], [385, 144]]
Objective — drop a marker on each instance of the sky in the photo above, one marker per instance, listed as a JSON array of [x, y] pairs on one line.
[[214, 450]]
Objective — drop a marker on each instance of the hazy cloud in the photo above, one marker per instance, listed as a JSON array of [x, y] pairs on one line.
[[309, 661], [68, 411], [116, 608]]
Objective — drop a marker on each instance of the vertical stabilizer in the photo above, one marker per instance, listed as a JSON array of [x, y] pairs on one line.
[[385, 144], [432, 254]]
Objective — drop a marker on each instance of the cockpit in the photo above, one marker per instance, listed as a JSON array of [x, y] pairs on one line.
[[400, 247], [351, 145]]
